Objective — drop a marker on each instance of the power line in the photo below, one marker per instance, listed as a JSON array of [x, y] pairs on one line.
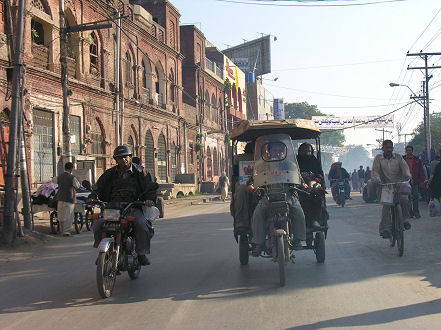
[[310, 5], [425, 29]]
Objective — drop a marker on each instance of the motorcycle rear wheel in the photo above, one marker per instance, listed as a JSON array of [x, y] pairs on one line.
[[105, 273], [55, 225], [281, 259], [88, 221]]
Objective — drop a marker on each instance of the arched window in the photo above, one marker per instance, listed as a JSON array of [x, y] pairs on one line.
[[215, 163], [96, 135], [214, 110], [149, 154], [129, 77], [174, 162], [156, 80], [162, 159], [144, 75], [207, 106], [131, 145], [93, 51], [171, 79], [209, 164], [172, 34]]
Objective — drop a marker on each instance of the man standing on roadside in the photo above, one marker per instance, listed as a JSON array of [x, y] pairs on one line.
[[360, 178], [354, 179], [418, 177], [66, 198]]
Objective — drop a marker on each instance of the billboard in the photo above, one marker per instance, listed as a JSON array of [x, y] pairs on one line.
[[279, 109], [328, 122], [252, 56]]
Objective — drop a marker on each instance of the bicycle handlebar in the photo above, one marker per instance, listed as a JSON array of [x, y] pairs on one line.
[[393, 183]]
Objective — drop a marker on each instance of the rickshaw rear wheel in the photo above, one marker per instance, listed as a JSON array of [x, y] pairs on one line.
[[319, 247], [244, 249]]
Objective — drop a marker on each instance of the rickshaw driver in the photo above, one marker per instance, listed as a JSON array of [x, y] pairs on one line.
[[277, 151]]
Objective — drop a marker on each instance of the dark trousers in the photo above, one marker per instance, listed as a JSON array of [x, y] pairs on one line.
[[414, 199]]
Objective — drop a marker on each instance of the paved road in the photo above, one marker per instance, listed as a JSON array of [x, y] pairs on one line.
[[196, 282]]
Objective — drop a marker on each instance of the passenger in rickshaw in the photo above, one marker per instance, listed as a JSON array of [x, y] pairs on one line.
[[273, 152], [243, 198], [311, 170]]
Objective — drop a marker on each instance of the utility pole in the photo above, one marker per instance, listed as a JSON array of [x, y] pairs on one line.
[[9, 228], [118, 70], [64, 84], [405, 137], [425, 56], [384, 131]]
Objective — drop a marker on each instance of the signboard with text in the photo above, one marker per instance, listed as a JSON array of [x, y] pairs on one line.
[[329, 122], [279, 109]]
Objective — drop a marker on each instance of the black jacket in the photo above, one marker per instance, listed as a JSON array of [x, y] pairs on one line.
[[435, 183], [146, 189]]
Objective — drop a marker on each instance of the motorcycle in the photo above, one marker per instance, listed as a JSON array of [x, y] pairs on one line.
[[117, 251], [340, 191]]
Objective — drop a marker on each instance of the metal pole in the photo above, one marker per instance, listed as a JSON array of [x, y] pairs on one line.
[[9, 228], [64, 84], [427, 115], [117, 70]]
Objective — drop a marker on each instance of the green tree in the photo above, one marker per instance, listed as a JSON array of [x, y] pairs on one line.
[[418, 142], [357, 155], [306, 111]]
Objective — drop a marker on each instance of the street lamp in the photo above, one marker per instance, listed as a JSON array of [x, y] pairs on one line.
[[427, 135]]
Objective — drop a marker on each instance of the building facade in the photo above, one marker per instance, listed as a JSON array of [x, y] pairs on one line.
[[152, 114]]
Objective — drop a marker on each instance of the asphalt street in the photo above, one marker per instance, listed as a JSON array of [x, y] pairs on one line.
[[195, 280]]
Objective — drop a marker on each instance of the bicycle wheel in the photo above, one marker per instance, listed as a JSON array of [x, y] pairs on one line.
[[399, 229], [88, 221], [78, 222], [393, 237], [55, 225]]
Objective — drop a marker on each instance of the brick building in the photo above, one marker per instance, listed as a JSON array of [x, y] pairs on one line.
[[153, 116]]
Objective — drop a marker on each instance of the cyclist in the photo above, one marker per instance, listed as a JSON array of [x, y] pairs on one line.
[[391, 167]]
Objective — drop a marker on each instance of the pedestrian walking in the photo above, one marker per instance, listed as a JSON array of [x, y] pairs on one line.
[[360, 178], [224, 184], [354, 179], [418, 176], [66, 198]]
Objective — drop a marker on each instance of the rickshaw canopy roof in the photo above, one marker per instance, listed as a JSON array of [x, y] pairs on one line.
[[249, 130]]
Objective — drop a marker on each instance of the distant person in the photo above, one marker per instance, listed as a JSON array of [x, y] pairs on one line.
[[66, 198], [418, 176], [354, 178], [360, 178], [367, 175], [433, 165], [224, 184]]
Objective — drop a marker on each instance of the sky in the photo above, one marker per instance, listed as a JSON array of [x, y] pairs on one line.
[[340, 57]]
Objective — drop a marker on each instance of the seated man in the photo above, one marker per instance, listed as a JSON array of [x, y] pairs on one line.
[[336, 173], [311, 170], [243, 197]]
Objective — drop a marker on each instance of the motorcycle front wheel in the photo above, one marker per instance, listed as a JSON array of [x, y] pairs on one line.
[[105, 273], [281, 259]]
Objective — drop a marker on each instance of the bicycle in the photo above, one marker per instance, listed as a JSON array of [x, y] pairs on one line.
[[396, 214]]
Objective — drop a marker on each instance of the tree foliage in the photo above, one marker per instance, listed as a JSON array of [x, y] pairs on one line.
[[306, 111], [418, 142], [357, 155]]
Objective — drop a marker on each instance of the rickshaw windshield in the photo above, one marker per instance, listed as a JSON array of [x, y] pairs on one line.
[[274, 151]]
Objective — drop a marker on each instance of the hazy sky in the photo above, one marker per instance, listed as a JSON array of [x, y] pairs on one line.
[[340, 58]]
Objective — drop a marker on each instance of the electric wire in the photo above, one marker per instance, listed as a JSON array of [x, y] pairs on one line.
[[310, 5]]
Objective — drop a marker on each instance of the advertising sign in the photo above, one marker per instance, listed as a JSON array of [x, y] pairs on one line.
[[252, 56], [246, 169], [328, 122], [279, 109]]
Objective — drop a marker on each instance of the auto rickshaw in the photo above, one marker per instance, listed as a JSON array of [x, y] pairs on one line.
[[274, 172]]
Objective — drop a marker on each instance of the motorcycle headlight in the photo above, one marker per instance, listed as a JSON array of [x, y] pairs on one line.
[[111, 215]]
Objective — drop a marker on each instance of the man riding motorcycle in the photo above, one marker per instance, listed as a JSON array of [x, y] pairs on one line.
[[337, 173], [127, 182]]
